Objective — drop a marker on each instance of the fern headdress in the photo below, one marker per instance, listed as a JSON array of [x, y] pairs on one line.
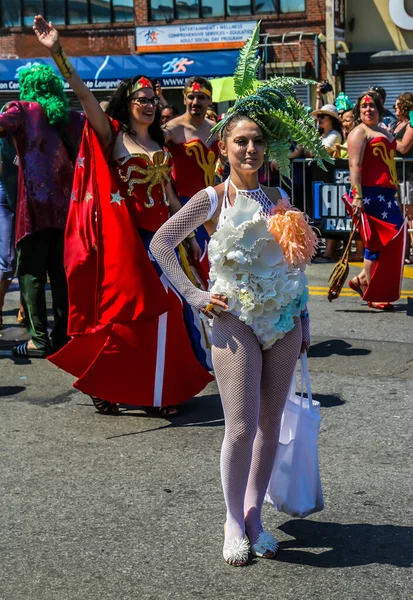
[[273, 105]]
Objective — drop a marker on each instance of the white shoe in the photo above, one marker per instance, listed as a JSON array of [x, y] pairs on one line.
[[266, 546], [237, 551]]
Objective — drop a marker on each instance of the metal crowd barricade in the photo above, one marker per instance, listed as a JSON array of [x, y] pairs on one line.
[[318, 192]]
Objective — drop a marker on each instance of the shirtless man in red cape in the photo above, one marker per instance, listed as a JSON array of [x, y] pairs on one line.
[[193, 155]]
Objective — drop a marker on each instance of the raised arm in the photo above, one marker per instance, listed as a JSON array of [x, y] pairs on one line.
[[172, 233], [48, 36], [357, 141], [405, 144]]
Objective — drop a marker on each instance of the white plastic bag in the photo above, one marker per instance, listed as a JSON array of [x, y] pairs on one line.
[[295, 484]]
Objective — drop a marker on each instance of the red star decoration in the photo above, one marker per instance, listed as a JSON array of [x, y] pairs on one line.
[[196, 87], [144, 82], [367, 100]]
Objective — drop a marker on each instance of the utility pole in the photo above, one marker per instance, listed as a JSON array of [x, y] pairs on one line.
[[330, 48]]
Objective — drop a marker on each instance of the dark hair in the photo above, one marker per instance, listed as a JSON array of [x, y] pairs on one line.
[[336, 123], [118, 109], [380, 91], [229, 126], [377, 101], [171, 107], [405, 104], [201, 80], [351, 110]]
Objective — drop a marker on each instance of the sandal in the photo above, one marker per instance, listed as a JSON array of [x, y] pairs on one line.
[[165, 412], [386, 306], [356, 288], [23, 351], [236, 554], [104, 407], [265, 547]]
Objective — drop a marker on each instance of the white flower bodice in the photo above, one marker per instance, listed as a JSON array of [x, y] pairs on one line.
[[249, 267]]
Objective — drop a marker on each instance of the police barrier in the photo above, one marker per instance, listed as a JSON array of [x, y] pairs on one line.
[[318, 192]]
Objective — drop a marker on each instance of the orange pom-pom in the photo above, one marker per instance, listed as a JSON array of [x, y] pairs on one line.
[[291, 229]]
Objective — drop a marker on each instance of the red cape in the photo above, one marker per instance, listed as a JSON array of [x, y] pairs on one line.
[[108, 281], [386, 280]]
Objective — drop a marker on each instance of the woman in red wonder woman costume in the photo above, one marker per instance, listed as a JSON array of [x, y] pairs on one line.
[[374, 206], [135, 341]]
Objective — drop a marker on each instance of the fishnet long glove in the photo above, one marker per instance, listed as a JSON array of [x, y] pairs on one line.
[[173, 232]]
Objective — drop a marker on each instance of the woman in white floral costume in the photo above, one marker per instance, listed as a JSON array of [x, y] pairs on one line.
[[258, 291]]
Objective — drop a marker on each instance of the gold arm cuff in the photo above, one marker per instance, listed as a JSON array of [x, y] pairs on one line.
[[357, 191], [209, 307], [63, 63]]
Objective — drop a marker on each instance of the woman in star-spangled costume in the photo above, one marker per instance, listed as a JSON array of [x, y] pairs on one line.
[[135, 341], [374, 207]]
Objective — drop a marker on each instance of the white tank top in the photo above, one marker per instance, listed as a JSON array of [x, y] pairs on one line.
[[258, 195]]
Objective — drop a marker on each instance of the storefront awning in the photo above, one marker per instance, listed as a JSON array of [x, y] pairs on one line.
[[106, 72], [376, 60]]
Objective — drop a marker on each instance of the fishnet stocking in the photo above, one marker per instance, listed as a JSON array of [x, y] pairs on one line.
[[166, 239], [253, 385]]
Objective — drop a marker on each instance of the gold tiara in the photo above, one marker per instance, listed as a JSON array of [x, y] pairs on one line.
[[142, 83], [196, 87]]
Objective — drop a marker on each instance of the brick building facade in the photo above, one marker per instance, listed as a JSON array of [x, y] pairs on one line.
[[290, 40]]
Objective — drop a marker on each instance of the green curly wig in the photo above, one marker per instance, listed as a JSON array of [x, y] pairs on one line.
[[41, 84]]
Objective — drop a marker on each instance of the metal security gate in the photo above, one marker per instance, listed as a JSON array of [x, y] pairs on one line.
[[303, 93], [394, 81]]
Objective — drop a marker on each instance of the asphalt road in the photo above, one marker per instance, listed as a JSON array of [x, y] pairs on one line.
[[118, 508]]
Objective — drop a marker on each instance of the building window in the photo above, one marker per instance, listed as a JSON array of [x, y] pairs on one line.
[[287, 6], [213, 8], [65, 12], [56, 11], [265, 7], [10, 13], [187, 9], [169, 10], [239, 7]]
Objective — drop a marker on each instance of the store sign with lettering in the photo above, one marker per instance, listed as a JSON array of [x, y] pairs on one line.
[[223, 35], [329, 211], [399, 14]]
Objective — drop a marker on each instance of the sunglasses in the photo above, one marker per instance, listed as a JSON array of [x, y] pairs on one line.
[[143, 101]]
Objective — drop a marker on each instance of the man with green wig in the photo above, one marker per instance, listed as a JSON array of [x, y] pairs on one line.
[[47, 137]]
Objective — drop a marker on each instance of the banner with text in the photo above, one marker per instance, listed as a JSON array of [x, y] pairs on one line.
[[195, 36]]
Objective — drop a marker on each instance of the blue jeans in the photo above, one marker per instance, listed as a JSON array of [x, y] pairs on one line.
[[7, 236]]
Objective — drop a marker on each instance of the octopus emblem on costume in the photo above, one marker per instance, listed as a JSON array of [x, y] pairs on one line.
[[156, 172], [207, 163], [380, 149]]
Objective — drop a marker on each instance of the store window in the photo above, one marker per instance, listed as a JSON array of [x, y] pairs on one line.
[[66, 12], [167, 10]]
